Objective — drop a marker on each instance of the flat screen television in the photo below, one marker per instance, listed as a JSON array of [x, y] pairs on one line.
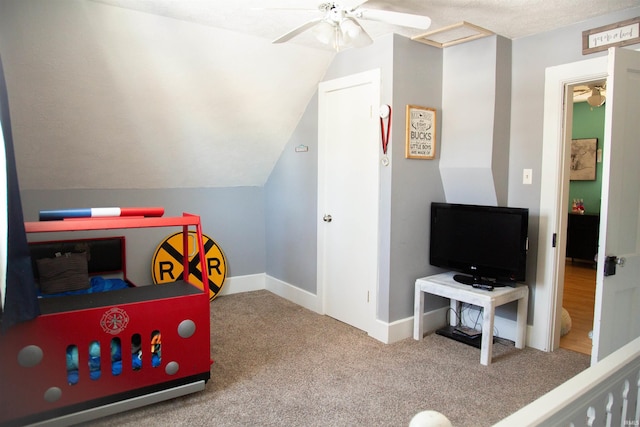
[[486, 244]]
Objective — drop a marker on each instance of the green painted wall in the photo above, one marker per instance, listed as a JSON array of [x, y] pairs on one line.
[[588, 122]]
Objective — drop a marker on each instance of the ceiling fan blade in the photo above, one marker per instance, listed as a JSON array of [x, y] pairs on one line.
[[302, 28], [303, 9], [394, 18], [352, 4]]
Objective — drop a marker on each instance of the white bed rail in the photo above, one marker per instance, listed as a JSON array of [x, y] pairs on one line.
[[605, 394]]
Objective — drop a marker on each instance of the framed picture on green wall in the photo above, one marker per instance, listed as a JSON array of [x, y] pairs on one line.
[[583, 159]]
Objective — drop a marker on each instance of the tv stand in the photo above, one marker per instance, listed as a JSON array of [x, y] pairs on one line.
[[445, 286]]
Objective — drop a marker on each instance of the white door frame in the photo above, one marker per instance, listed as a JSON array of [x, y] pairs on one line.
[[545, 332]]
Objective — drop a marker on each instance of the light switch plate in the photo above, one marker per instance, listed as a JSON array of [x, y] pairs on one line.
[[527, 176]]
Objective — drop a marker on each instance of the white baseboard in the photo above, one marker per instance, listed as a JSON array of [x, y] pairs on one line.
[[262, 281], [294, 294], [536, 342], [402, 329], [238, 284], [382, 331]]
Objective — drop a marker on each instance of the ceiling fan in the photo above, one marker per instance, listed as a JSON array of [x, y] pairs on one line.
[[339, 25], [594, 93]]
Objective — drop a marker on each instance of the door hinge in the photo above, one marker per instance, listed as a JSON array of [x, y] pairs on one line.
[[367, 296], [553, 240]]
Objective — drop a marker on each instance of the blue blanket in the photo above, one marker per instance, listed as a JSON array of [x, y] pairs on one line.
[[98, 284]]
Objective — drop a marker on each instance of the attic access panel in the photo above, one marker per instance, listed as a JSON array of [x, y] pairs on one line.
[[453, 34]]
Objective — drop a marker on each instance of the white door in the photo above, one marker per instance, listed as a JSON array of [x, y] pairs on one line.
[[348, 141], [617, 311]]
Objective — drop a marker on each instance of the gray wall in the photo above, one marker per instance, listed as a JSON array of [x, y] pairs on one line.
[[475, 149], [502, 123], [411, 74], [291, 207], [513, 79], [531, 56], [417, 80], [93, 84], [291, 191], [232, 217], [272, 228]]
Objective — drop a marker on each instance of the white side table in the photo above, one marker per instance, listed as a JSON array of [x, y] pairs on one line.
[[443, 285]]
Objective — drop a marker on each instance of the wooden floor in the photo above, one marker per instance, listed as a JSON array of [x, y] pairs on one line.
[[578, 300]]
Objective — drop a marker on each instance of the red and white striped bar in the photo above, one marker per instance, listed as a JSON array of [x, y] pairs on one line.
[[59, 214]]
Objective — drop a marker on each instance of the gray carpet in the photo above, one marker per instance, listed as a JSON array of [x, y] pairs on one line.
[[278, 364]]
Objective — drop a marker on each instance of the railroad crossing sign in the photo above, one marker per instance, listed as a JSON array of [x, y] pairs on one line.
[[166, 265]]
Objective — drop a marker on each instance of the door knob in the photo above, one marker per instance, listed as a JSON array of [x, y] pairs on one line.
[[327, 218], [610, 263]]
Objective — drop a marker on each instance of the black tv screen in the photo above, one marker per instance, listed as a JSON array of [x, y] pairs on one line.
[[488, 244]]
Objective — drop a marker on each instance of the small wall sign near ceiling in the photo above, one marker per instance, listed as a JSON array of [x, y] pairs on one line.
[[622, 33], [421, 133]]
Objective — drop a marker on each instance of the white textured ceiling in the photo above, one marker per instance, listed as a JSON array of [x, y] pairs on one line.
[[189, 93], [271, 18]]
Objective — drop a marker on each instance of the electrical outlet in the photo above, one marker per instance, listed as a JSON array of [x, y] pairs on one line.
[[527, 176]]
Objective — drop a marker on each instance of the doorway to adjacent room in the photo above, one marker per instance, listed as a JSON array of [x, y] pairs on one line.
[[583, 203]]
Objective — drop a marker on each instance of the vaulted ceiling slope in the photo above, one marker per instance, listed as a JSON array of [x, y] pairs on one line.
[[105, 97], [189, 93]]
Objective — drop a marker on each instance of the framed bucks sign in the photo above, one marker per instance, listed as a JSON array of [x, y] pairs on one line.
[[421, 133]]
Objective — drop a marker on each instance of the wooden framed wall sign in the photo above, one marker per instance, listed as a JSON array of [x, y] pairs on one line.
[[421, 133], [583, 159], [619, 34]]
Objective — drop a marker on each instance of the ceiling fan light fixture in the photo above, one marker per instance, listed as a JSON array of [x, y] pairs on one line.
[[341, 35], [339, 26], [350, 31], [325, 32], [596, 99]]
